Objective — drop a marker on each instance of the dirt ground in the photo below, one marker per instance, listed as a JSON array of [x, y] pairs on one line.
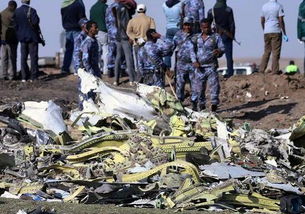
[[11, 206], [263, 100]]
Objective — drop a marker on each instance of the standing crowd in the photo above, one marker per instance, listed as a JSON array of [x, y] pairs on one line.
[[19, 25], [113, 41]]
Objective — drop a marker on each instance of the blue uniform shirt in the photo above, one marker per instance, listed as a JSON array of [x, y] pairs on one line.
[[90, 50], [206, 47], [194, 9], [185, 47], [150, 56], [77, 55], [110, 21]]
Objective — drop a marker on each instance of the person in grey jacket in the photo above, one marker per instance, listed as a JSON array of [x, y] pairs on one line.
[[122, 14]]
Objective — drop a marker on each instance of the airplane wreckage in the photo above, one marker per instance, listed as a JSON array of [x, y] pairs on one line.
[[140, 147]]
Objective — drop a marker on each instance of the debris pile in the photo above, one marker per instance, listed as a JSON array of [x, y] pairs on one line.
[[139, 147]]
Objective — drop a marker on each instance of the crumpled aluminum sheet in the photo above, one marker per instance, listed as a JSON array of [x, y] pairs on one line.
[[224, 171]]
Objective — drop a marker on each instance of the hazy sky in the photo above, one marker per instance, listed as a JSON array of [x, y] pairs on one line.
[[247, 17]]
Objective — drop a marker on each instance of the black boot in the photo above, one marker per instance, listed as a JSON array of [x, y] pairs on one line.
[[110, 72], [194, 106], [214, 108]]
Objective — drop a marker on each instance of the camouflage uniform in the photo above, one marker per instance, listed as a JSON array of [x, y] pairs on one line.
[[150, 59], [208, 68], [78, 62], [185, 59], [90, 50], [112, 31], [90, 59], [77, 55], [194, 9]]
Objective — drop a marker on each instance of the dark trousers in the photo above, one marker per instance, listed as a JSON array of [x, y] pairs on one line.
[[228, 43], [203, 76], [273, 44], [26, 49]]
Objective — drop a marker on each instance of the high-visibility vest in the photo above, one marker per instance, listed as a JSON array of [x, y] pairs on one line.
[[292, 69]]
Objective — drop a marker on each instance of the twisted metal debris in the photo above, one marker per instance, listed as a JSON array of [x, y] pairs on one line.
[[161, 155]]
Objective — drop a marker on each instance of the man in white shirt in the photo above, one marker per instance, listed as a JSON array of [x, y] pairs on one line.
[[273, 24]]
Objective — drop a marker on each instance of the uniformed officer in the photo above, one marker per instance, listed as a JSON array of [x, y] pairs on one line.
[[77, 55], [112, 31], [90, 58], [90, 50], [185, 58], [194, 9], [209, 47], [150, 59]]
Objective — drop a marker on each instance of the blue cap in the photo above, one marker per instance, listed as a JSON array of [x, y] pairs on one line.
[[83, 21], [188, 20]]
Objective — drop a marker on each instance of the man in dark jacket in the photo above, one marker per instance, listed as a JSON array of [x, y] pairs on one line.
[[9, 42], [27, 28], [72, 11], [223, 20]]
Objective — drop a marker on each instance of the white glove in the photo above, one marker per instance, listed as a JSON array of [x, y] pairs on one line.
[[140, 41]]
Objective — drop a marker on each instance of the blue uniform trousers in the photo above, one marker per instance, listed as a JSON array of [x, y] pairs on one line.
[[203, 76], [182, 77]]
